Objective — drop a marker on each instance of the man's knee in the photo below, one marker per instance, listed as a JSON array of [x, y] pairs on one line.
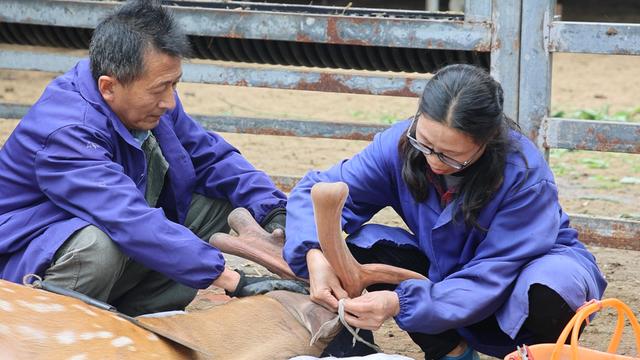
[[207, 216], [91, 242], [88, 257]]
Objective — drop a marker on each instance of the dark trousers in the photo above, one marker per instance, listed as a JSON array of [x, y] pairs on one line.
[[548, 312]]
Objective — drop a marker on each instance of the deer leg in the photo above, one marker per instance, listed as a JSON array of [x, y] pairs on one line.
[[328, 202], [253, 243]]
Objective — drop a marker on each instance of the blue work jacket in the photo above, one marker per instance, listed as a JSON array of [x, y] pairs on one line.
[[71, 162], [472, 273]]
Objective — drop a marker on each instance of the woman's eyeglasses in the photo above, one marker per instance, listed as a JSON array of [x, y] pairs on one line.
[[429, 151]]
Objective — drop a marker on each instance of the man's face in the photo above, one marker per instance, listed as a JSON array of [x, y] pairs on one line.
[[140, 103]]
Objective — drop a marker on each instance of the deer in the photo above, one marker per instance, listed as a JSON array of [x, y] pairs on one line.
[[37, 324]]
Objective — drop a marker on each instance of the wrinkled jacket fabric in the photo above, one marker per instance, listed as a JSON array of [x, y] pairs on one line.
[[71, 162], [472, 274]]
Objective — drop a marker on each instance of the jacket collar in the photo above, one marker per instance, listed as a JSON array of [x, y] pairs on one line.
[[89, 91]]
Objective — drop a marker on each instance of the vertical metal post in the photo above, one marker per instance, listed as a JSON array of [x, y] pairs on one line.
[[432, 5], [456, 5], [535, 69], [477, 10], [506, 16]]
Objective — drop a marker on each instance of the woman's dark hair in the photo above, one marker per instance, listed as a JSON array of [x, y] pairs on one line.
[[468, 99], [120, 41]]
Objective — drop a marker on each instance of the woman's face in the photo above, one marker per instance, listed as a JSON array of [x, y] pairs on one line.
[[448, 142]]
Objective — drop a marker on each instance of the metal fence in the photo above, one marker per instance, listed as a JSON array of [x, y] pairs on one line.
[[519, 47]]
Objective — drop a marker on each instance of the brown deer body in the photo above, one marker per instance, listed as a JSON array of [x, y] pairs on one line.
[[35, 324]]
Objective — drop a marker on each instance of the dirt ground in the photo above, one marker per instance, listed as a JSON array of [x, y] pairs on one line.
[[590, 182]]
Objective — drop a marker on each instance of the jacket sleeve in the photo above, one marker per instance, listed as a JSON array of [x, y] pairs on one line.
[[525, 227], [75, 171], [222, 172], [370, 189]]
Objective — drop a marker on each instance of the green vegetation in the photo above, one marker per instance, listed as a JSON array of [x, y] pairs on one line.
[[595, 163], [602, 114], [384, 117]]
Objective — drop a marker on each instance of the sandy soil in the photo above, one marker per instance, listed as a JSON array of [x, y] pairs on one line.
[[580, 82]]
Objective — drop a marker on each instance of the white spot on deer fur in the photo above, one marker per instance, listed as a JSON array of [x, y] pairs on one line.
[[96, 335], [104, 335], [41, 307], [8, 290], [85, 309], [132, 348], [66, 337], [5, 306], [4, 329], [121, 341], [79, 357], [42, 298], [153, 337], [87, 336], [31, 333]]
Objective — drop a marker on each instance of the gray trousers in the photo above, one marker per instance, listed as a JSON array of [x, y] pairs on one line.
[[91, 263]]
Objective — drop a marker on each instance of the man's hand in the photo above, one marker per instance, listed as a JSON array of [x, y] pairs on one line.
[[371, 310], [324, 284], [256, 285]]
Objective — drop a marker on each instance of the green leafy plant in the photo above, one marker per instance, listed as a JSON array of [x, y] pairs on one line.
[[602, 114], [595, 163], [605, 182]]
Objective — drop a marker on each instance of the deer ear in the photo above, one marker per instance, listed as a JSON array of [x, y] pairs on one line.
[[322, 324]]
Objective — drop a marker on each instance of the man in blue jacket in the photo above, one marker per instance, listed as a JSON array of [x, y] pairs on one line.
[[109, 188]]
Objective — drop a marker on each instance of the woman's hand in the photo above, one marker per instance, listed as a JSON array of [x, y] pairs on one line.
[[371, 310], [325, 286]]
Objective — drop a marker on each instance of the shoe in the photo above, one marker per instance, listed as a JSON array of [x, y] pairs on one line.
[[342, 345], [468, 354]]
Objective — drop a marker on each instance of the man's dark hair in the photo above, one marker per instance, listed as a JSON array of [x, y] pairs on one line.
[[120, 41], [468, 99]]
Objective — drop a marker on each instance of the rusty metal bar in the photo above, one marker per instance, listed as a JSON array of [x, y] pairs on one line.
[[38, 61], [615, 233], [285, 182], [316, 129], [82, 14], [13, 111], [266, 25], [593, 135], [279, 78], [245, 125], [252, 76], [595, 38]]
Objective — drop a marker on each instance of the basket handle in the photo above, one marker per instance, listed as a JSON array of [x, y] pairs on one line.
[[583, 314]]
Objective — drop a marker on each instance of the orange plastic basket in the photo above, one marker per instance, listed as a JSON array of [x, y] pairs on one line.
[[561, 351]]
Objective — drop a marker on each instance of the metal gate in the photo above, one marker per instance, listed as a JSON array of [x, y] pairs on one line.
[[514, 39]]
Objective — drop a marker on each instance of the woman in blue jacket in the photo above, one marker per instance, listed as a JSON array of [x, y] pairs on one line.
[[503, 265]]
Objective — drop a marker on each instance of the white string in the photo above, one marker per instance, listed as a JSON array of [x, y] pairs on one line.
[[353, 332]]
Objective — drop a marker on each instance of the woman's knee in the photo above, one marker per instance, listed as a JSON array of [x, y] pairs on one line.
[[548, 313]]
